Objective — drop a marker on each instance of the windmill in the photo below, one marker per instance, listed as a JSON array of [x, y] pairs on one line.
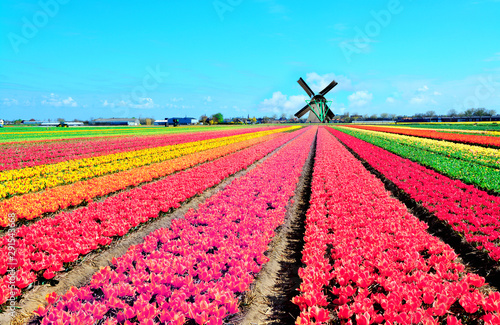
[[318, 103]]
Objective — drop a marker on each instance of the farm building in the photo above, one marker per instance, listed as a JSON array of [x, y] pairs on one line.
[[49, 124], [32, 122], [62, 124], [159, 122], [115, 121], [183, 120]]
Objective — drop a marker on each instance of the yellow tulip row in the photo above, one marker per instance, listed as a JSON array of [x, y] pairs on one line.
[[32, 179], [478, 154]]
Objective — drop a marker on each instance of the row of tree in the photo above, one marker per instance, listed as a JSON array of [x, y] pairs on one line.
[[453, 113], [218, 118], [214, 119], [347, 117]]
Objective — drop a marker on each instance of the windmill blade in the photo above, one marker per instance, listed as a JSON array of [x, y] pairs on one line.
[[329, 112], [303, 111], [328, 88], [330, 115], [304, 86]]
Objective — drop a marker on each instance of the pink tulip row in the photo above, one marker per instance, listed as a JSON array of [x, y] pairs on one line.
[[368, 261], [196, 269], [15, 157], [470, 211], [47, 245]]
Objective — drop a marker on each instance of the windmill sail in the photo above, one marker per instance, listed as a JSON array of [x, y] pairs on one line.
[[318, 105]]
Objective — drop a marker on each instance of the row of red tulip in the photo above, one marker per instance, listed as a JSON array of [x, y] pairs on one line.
[[490, 141], [15, 156], [196, 269], [48, 244], [368, 260], [470, 211]]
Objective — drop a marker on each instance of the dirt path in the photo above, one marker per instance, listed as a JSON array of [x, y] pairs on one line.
[[82, 273], [269, 301]]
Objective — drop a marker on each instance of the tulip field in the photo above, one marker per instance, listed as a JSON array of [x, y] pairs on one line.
[[368, 254], [371, 261], [16, 134]]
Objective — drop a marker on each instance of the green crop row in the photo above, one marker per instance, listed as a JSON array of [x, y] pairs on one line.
[[476, 154], [466, 170]]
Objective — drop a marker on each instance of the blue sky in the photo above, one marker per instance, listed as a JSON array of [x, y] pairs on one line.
[[83, 59]]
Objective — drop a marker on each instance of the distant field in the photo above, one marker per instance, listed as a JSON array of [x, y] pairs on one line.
[[466, 126], [36, 133]]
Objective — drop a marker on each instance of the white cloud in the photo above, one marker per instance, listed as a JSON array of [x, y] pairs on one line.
[[120, 103], [495, 57], [105, 103], [208, 99], [422, 99], [423, 96], [57, 101], [281, 103], [417, 100], [9, 101], [69, 102], [175, 99], [141, 103], [390, 100], [360, 98], [144, 103]]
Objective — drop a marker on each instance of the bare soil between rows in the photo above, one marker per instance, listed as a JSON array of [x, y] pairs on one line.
[[269, 300], [82, 273]]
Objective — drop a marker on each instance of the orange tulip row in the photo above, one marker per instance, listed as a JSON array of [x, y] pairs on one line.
[[33, 205]]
